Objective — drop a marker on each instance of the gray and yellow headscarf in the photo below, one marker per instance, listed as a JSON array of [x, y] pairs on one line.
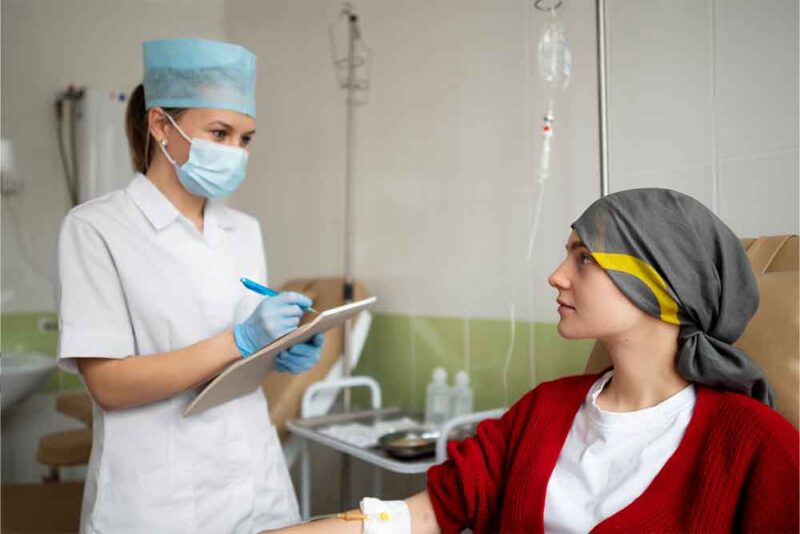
[[675, 260]]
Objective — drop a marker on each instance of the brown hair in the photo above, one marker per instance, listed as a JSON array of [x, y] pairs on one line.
[[137, 129]]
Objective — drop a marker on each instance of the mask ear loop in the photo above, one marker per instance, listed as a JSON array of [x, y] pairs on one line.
[[147, 150], [163, 143], [147, 143], [180, 131]]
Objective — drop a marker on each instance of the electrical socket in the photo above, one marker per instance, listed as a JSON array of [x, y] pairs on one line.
[[10, 185], [46, 325]]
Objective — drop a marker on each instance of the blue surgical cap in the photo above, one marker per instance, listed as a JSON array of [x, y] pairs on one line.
[[199, 73]]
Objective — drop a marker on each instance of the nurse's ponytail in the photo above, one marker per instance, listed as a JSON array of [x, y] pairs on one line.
[[141, 145], [136, 130]]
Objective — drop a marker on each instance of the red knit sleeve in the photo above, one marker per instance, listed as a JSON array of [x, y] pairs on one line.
[[770, 498], [465, 490]]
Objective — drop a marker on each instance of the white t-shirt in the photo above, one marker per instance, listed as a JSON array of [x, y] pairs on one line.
[[135, 278], [609, 458]]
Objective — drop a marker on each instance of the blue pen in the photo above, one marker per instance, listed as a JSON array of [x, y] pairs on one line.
[[264, 290]]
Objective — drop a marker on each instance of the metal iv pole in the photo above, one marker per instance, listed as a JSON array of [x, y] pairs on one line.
[[353, 86], [602, 96]]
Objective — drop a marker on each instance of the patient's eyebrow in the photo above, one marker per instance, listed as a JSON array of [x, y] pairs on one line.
[[575, 244]]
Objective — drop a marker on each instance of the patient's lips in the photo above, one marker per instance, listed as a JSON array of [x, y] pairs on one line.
[[564, 307]]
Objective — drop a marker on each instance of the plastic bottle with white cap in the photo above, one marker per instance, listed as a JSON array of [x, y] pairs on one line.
[[437, 400], [461, 398]]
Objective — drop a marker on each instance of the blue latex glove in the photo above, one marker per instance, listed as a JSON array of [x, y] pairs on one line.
[[273, 317], [300, 357]]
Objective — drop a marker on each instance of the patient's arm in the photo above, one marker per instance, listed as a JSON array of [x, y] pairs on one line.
[[423, 521]]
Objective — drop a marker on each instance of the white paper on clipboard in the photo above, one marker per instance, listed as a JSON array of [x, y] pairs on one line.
[[246, 375]]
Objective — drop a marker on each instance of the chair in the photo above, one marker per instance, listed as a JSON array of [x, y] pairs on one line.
[[772, 339], [64, 449], [69, 447], [284, 392]]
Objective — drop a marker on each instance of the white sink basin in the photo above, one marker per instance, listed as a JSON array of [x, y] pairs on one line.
[[22, 374]]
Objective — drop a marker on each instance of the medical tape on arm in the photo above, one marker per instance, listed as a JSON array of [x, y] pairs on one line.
[[385, 517]]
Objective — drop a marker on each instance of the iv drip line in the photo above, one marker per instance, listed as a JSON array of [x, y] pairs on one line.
[[555, 68]]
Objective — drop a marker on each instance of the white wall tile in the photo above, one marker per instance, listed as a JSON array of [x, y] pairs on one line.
[[659, 85], [759, 195], [757, 71], [693, 180], [666, 115]]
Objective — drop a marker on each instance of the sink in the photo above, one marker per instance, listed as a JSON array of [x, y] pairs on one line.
[[22, 374]]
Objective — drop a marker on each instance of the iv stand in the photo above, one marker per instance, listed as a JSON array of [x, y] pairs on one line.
[[350, 85], [602, 96]]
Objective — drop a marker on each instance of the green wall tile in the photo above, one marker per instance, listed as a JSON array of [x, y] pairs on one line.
[[557, 357], [489, 348], [438, 342], [19, 332], [71, 382], [53, 384], [386, 354], [402, 351]]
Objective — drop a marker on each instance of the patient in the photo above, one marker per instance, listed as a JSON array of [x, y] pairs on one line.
[[678, 435]]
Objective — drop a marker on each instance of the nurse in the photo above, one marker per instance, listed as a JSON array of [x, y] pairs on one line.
[[150, 307]]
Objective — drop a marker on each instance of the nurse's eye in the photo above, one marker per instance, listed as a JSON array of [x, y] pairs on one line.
[[246, 139], [585, 258], [219, 135]]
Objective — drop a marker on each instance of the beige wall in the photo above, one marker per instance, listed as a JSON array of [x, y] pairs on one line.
[[445, 150], [447, 145], [702, 98]]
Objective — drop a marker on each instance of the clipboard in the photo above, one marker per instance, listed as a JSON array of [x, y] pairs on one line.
[[244, 376]]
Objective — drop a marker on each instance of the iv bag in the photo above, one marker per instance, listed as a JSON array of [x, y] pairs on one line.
[[555, 59]]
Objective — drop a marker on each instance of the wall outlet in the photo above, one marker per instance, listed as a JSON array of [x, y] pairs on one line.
[[10, 185], [47, 325]]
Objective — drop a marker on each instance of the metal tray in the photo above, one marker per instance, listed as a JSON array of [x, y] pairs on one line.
[[411, 443]]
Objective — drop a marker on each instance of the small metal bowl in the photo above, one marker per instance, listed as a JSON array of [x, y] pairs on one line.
[[410, 443]]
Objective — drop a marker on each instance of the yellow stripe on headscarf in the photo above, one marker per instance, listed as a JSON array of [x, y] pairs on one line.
[[649, 276]]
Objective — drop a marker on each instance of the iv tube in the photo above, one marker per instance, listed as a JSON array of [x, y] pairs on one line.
[[555, 68]]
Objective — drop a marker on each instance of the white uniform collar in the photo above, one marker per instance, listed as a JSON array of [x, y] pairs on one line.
[[218, 213], [161, 212]]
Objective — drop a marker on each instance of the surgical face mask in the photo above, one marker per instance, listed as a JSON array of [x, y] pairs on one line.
[[213, 170]]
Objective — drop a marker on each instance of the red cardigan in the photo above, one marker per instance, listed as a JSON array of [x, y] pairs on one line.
[[736, 468]]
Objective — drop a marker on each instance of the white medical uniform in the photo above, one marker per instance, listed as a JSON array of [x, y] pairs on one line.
[[135, 277]]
